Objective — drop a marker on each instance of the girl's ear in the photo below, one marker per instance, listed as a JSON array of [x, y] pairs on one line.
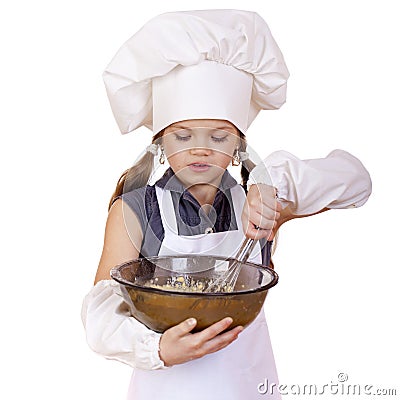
[[157, 138]]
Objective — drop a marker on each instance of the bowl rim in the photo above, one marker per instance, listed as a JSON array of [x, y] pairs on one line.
[[115, 274]]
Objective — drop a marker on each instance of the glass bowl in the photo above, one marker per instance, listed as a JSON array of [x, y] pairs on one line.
[[164, 291]]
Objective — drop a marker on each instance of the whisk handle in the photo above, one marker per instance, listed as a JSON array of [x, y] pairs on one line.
[[246, 249]]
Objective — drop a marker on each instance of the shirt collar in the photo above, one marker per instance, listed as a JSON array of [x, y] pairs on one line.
[[169, 181]]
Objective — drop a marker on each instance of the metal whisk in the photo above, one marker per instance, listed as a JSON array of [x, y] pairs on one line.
[[229, 277]]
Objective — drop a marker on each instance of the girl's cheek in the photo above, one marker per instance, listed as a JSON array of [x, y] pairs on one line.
[[175, 162]]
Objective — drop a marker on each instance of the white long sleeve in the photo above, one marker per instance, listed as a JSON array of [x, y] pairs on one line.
[[113, 333], [337, 181]]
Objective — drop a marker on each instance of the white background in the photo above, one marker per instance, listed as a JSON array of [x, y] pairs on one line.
[[335, 308]]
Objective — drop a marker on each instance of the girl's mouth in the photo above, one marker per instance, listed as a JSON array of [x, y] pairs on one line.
[[199, 167]]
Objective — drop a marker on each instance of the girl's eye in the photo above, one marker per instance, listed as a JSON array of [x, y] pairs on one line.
[[219, 139], [182, 138]]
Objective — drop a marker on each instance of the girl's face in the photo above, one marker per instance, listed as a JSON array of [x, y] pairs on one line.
[[199, 151]]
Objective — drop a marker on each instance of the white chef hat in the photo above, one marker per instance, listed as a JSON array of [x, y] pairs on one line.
[[207, 64]]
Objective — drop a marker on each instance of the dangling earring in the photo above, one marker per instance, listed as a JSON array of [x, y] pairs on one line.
[[162, 156], [236, 158]]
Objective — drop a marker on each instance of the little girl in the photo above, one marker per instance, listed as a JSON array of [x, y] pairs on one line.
[[198, 79]]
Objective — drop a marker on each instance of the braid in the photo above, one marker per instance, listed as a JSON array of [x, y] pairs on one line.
[[247, 165], [138, 175]]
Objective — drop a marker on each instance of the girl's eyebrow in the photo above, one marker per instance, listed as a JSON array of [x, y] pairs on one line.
[[179, 127]]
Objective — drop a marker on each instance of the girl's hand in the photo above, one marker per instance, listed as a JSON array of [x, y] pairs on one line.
[[178, 345], [262, 210]]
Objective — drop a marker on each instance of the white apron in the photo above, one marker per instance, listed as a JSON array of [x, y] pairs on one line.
[[233, 373]]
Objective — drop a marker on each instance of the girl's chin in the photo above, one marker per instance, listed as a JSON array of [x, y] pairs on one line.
[[203, 178]]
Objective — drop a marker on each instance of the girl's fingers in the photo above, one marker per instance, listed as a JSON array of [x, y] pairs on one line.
[[214, 330], [178, 345], [221, 341], [257, 234], [184, 327], [265, 222], [268, 220], [262, 199]]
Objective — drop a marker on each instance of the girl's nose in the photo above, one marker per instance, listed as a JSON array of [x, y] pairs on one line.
[[200, 151], [200, 145]]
